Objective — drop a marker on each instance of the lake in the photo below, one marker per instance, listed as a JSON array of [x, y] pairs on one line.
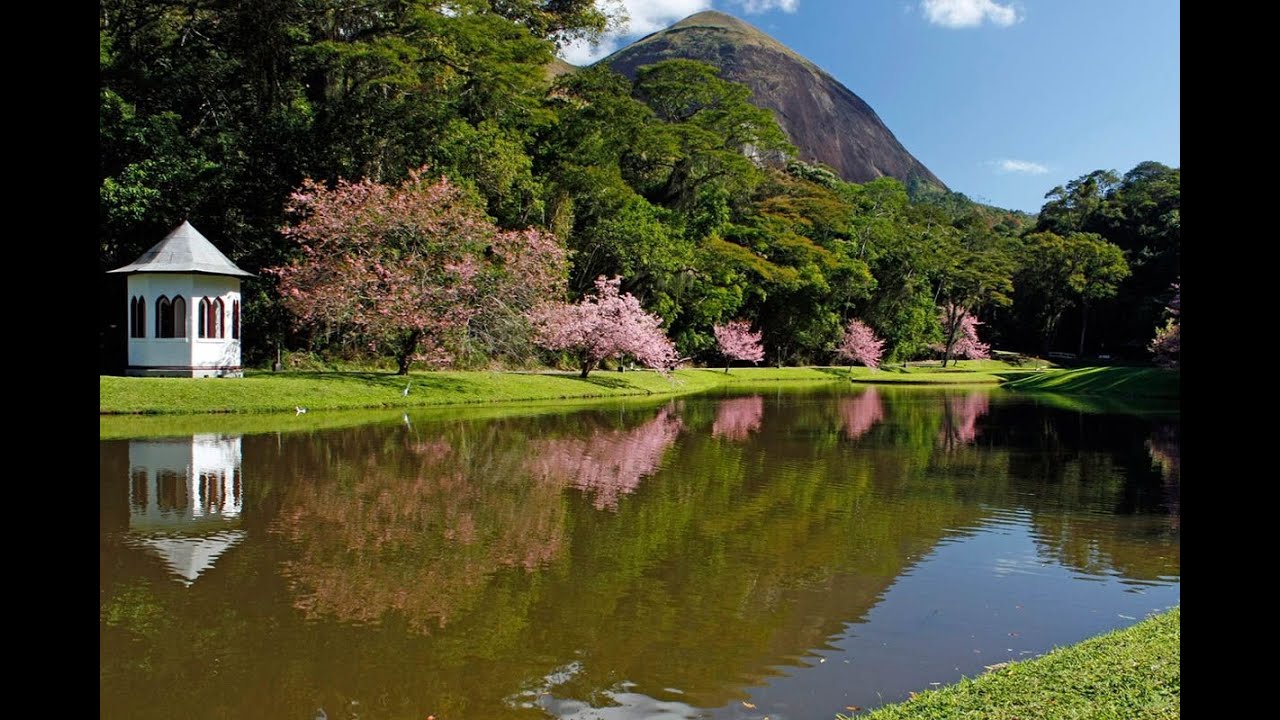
[[780, 552]]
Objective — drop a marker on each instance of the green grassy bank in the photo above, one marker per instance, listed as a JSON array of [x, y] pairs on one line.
[[261, 392], [1130, 674], [265, 392], [1107, 381]]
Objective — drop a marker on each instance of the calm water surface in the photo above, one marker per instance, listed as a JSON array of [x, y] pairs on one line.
[[786, 553]]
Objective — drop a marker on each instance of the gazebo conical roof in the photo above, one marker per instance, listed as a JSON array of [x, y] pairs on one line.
[[184, 250]]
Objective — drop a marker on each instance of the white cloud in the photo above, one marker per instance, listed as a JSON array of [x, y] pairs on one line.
[[754, 7], [1026, 167], [645, 16], [968, 13]]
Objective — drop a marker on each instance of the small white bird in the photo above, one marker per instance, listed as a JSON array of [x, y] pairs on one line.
[[300, 410], [406, 391]]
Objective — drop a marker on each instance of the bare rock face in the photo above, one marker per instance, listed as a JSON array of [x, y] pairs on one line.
[[826, 122]]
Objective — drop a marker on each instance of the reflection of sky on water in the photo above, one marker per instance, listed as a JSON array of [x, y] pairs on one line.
[[985, 595], [185, 500]]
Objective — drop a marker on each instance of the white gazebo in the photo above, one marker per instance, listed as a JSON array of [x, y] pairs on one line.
[[184, 309]]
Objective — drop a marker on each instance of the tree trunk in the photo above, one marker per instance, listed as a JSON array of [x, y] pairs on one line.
[[405, 356], [951, 340], [1084, 323], [726, 367], [588, 366]]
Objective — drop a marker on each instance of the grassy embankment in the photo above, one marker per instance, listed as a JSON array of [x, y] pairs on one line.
[[1130, 674], [1103, 381], [260, 392]]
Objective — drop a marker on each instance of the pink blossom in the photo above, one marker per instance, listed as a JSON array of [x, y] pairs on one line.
[[861, 345], [737, 342], [605, 325], [408, 267], [965, 342]]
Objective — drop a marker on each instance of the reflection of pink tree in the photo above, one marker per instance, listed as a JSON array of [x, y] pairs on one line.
[[960, 421], [608, 463], [738, 418], [861, 413]]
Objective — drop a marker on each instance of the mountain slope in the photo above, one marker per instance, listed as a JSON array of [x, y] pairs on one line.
[[823, 118]]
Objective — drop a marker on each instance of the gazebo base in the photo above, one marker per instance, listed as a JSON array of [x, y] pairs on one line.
[[183, 371]]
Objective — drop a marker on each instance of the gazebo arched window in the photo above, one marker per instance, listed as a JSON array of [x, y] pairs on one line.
[[235, 319], [164, 317], [179, 317], [137, 317], [211, 318], [217, 326], [171, 317]]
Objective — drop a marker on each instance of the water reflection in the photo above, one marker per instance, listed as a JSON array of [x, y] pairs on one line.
[[737, 418], [960, 419], [861, 412], [185, 499], [672, 560], [606, 462]]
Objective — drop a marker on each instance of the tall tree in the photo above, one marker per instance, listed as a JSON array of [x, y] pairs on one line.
[[410, 267], [1059, 273]]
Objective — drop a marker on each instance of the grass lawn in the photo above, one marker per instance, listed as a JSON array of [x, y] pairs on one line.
[[261, 392], [1130, 674], [1109, 381]]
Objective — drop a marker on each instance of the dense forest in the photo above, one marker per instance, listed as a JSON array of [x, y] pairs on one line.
[[251, 118]]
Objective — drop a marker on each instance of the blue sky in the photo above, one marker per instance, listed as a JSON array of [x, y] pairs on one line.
[[1002, 100]]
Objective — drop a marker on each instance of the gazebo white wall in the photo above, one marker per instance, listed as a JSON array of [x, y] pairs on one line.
[[191, 355]]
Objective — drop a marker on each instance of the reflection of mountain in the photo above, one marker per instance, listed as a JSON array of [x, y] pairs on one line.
[[185, 499], [861, 412], [737, 418]]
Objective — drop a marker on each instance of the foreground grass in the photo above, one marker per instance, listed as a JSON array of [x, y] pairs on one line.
[[1105, 381], [1130, 674], [264, 392]]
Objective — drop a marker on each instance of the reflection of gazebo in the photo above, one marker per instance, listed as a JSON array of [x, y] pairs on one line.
[[185, 499]]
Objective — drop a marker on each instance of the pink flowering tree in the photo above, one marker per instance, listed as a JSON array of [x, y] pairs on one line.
[[606, 324], [861, 345], [1167, 344], [408, 268], [961, 330], [737, 342]]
